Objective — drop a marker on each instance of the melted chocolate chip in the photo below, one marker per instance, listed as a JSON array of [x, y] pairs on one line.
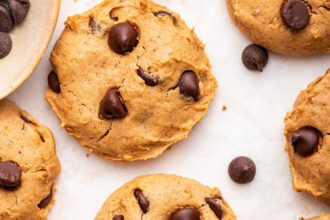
[[93, 26], [305, 141], [147, 77], [10, 174], [112, 105], [5, 44], [53, 82], [295, 14], [19, 9], [242, 170], [187, 213], [123, 37], [165, 13], [111, 14], [214, 206], [6, 20], [45, 202], [142, 200], [255, 57], [189, 84], [118, 217]]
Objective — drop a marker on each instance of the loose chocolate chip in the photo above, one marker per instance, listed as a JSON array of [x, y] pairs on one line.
[[112, 105], [5, 44], [19, 9], [53, 82], [189, 84], [165, 13], [186, 214], [123, 37], [147, 77], [6, 21], [215, 207], [44, 203], [10, 174], [93, 26], [242, 170], [295, 14], [255, 57], [305, 141], [118, 217], [142, 200]]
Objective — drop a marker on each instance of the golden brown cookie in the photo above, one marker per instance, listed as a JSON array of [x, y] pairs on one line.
[[322, 217]]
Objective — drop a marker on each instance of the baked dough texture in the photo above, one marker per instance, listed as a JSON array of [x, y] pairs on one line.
[[24, 141], [261, 21], [166, 194], [322, 217], [158, 116], [312, 108]]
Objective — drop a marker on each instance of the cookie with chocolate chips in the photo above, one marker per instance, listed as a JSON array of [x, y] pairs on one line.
[[294, 27], [307, 131], [28, 165], [130, 79], [162, 196]]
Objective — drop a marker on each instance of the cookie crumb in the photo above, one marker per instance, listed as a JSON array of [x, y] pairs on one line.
[[87, 155], [224, 108]]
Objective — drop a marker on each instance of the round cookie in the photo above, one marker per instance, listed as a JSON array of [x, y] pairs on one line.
[[322, 217], [307, 131], [130, 79], [165, 197], [28, 165], [292, 27]]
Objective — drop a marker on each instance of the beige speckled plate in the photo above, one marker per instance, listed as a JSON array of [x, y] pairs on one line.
[[30, 40]]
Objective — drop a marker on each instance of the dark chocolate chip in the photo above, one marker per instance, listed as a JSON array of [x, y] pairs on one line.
[[112, 105], [255, 57], [147, 77], [10, 174], [189, 84], [214, 206], [118, 217], [142, 200], [123, 37], [305, 141], [53, 82], [295, 14], [19, 9], [5, 44], [165, 13], [187, 213], [114, 18], [45, 202], [6, 20], [93, 26], [242, 170]]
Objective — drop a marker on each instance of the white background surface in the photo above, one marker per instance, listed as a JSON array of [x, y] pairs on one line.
[[252, 126]]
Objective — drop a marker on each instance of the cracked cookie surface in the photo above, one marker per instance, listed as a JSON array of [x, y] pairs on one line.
[[28, 165], [165, 197], [131, 79], [263, 23], [307, 131]]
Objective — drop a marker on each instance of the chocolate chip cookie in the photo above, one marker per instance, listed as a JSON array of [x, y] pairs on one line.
[[130, 79], [294, 27], [169, 197], [28, 165], [322, 217], [307, 131]]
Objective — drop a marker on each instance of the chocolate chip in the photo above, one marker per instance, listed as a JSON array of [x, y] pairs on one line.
[[255, 57], [10, 174], [93, 26], [53, 82], [112, 105], [118, 217], [114, 18], [187, 213], [123, 37], [305, 140], [6, 21], [214, 206], [295, 14], [19, 9], [165, 13], [189, 84], [44, 203], [142, 200], [5, 44], [242, 170], [147, 77]]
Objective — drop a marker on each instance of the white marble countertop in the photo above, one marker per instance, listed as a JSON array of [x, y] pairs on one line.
[[252, 126]]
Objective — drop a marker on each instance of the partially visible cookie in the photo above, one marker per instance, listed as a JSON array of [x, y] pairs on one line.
[[322, 217], [307, 131], [28, 165], [294, 27], [165, 197]]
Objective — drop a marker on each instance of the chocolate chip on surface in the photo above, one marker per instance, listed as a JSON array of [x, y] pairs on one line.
[[5, 44], [123, 37], [142, 200], [165, 13], [53, 82], [19, 9], [6, 21], [112, 105], [118, 217], [187, 213], [305, 140], [214, 206], [242, 170], [10, 174], [112, 11], [147, 77], [295, 14], [45, 202], [255, 57], [189, 84], [93, 26]]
